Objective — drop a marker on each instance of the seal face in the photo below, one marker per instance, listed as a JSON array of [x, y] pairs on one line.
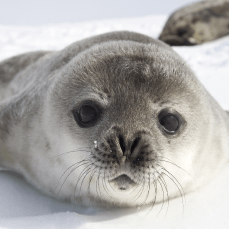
[[117, 119], [197, 23]]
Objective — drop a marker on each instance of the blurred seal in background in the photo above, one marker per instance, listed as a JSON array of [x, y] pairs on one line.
[[197, 23]]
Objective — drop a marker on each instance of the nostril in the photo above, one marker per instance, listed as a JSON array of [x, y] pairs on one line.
[[135, 143], [122, 143]]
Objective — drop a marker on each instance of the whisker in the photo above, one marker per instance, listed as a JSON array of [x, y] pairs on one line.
[[113, 188], [140, 191], [147, 195], [178, 185], [85, 160], [162, 183], [163, 202], [171, 162], [86, 172], [69, 174], [137, 186], [72, 151], [105, 185], [97, 185], [84, 176], [89, 183], [89, 169], [79, 162], [166, 189], [98, 181], [155, 191], [80, 176], [181, 188]]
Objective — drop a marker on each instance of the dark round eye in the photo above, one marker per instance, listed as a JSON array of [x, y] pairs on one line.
[[170, 123], [87, 115]]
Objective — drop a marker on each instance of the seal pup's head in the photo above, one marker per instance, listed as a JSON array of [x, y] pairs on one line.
[[123, 123]]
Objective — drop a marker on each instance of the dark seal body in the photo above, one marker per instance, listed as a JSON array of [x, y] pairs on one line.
[[197, 23]]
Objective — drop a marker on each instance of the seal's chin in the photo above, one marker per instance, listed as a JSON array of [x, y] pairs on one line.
[[123, 183]]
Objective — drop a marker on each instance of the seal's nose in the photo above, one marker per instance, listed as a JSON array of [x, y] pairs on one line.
[[123, 145], [134, 144]]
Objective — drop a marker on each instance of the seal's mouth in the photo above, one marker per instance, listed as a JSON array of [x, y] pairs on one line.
[[123, 182]]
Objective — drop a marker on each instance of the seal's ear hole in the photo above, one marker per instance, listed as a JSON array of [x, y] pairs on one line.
[[87, 114], [170, 121]]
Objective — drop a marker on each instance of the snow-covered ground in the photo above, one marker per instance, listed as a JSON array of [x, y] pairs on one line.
[[22, 206]]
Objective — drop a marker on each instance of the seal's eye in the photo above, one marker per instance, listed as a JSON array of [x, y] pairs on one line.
[[169, 122], [87, 115]]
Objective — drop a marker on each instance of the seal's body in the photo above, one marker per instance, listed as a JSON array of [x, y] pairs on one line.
[[117, 119], [197, 23]]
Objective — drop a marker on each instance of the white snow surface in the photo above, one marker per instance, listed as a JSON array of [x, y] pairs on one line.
[[22, 206]]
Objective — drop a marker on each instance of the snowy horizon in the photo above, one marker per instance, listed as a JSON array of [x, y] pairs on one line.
[[42, 12]]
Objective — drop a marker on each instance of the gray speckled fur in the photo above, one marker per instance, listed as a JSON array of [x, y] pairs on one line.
[[197, 23], [16, 77], [133, 77], [28, 75]]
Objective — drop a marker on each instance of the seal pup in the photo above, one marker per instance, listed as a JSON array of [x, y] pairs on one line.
[[117, 119], [197, 23]]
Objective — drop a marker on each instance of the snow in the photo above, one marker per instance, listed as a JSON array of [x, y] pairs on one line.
[[22, 206]]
